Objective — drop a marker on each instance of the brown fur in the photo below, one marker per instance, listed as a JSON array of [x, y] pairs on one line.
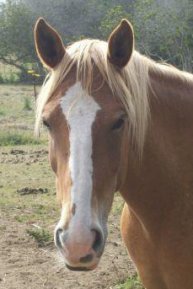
[[157, 219], [157, 222]]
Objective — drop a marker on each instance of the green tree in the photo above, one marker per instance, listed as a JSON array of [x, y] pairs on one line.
[[16, 34], [112, 19], [163, 29]]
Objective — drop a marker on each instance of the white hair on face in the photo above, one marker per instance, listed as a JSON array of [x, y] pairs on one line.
[[80, 111]]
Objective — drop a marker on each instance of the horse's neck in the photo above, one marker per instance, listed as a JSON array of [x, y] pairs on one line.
[[172, 88], [164, 179]]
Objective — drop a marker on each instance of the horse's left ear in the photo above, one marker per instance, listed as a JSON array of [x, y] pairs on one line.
[[120, 44], [48, 43]]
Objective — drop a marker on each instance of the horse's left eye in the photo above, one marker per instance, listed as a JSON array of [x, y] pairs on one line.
[[46, 124], [118, 124]]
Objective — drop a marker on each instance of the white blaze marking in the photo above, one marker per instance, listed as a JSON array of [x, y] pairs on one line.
[[80, 112]]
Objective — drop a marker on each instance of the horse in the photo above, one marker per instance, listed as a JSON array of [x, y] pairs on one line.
[[119, 121]]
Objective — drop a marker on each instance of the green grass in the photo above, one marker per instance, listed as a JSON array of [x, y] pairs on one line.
[[42, 236], [9, 138], [22, 218], [2, 113], [27, 104], [17, 116], [132, 282], [118, 206], [17, 105], [25, 169]]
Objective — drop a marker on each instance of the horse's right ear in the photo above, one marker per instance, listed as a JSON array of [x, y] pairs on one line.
[[48, 43]]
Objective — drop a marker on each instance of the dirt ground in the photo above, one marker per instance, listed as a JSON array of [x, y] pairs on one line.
[[25, 265]]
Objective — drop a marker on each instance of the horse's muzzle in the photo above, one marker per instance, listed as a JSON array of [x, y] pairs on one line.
[[80, 252]]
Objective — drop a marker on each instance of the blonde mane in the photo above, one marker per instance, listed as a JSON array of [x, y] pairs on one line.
[[131, 84]]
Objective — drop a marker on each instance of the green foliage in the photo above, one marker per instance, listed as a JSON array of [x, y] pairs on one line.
[[42, 236], [112, 19], [131, 283], [8, 74], [16, 34], [11, 78], [163, 29]]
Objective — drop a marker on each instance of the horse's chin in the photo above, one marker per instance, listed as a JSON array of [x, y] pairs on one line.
[[81, 268]]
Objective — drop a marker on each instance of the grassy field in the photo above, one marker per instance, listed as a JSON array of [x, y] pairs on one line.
[[27, 185], [17, 116], [24, 166]]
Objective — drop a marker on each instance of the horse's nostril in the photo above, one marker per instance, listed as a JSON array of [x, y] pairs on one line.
[[98, 242], [86, 259], [58, 240]]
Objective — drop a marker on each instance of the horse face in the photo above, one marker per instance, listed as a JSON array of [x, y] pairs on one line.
[[88, 143], [87, 147]]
